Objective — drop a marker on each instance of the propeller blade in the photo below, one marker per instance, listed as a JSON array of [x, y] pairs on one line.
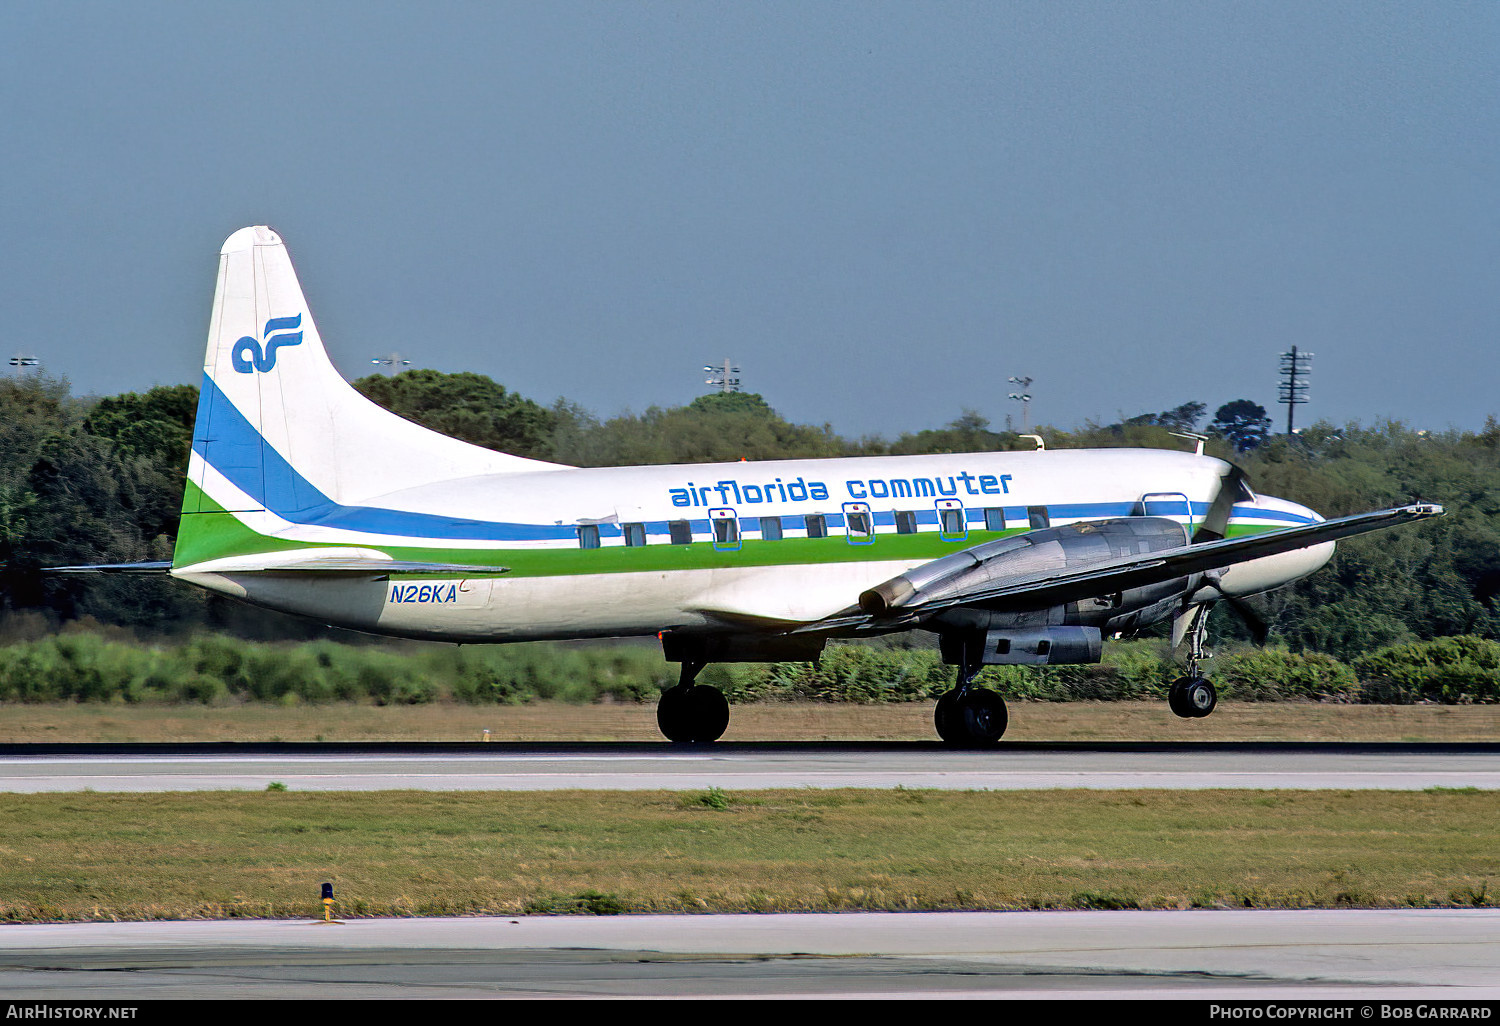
[[1253, 621], [1216, 521]]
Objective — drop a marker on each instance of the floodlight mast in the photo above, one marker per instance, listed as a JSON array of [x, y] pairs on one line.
[[1024, 398], [391, 362], [725, 377], [1295, 368]]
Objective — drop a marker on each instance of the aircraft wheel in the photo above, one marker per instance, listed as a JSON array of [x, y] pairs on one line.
[[944, 720], [692, 713], [1175, 700], [1192, 697], [1201, 697], [977, 720]]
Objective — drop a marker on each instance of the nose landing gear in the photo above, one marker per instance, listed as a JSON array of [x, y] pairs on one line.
[[1193, 697]]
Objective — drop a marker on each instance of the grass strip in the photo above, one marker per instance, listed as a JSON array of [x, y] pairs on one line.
[[88, 856], [768, 721]]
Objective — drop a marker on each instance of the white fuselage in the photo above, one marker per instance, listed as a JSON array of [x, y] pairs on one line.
[[592, 552]]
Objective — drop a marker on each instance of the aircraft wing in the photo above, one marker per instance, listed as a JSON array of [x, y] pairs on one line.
[[1156, 567], [1040, 591]]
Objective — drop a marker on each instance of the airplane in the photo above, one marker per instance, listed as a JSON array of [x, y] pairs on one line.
[[303, 496]]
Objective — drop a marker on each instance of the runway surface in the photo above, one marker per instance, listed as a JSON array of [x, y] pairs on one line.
[[1365, 956], [519, 767]]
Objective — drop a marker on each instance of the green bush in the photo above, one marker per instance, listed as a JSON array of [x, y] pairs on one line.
[[1457, 670], [1276, 674], [89, 668]]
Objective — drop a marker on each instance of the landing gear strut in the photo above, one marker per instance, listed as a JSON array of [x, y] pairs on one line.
[[692, 712], [970, 717], [1192, 697]]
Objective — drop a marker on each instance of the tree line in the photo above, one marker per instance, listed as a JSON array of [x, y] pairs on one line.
[[91, 480]]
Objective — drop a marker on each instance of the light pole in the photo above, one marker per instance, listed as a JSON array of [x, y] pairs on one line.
[[390, 363], [725, 378], [1295, 368], [1024, 398]]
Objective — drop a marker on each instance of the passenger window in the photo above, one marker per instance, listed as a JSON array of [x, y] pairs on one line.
[[635, 534], [588, 536], [817, 525], [994, 519], [770, 528], [951, 526], [726, 527], [1038, 517], [680, 532], [906, 522], [858, 523]]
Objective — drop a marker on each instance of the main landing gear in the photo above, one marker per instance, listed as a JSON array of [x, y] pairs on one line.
[[692, 712], [1192, 697], [970, 717]]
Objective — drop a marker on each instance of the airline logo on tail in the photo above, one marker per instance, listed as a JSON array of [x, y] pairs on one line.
[[247, 355]]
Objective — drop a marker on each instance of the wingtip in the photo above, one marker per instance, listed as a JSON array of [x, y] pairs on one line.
[[249, 238]]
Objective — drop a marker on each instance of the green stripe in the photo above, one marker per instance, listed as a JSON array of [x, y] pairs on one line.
[[215, 533]]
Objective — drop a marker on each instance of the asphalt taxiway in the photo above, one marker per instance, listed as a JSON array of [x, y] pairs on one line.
[[1362, 956]]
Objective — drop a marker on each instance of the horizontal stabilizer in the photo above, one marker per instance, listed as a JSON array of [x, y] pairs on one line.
[[334, 561], [160, 567]]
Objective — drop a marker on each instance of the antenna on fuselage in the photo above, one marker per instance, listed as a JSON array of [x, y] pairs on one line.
[[1191, 436]]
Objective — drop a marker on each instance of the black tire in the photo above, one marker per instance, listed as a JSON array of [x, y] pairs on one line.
[[984, 717], [692, 713], [944, 720], [978, 720], [1200, 697], [710, 712], [1177, 698], [673, 717]]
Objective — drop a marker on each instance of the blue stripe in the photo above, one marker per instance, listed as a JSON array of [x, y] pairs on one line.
[[229, 443], [232, 446]]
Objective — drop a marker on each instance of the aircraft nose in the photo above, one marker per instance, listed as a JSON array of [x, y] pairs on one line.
[[1270, 572], [1312, 515]]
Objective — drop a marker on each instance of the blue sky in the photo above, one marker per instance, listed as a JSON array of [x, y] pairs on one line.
[[880, 211]]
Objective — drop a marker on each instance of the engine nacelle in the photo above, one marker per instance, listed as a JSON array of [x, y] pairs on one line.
[[684, 647], [1033, 556], [1043, 646]]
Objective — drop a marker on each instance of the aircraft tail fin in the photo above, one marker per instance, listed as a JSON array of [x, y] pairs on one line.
[[279, 431]]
